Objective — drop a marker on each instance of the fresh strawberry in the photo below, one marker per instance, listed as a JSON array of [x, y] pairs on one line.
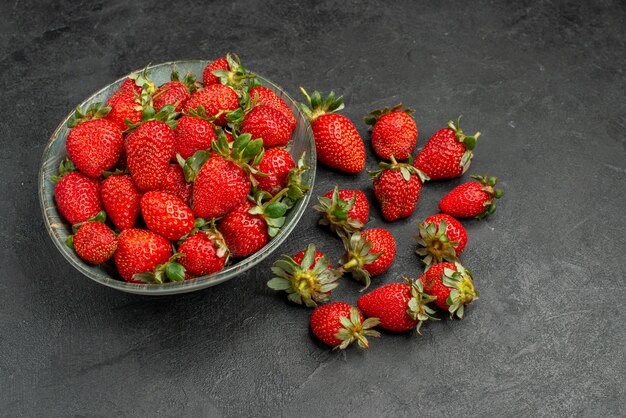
[[129, 86], [208, 77], [368, 253], [266, 96], [216, 100], [451, 285], [94, 146], [394, 132], [173, 92], [124, 106], [121, 200], [174, 183], [338, 324], [337, 142], [223, 182], [346, 211], [269, 124], [447, 154], [203, 253], [193, 134], [399, 306], [307, 277], [276, 163], [166, 215], [94, 242], [140, 251], [149, 149], [473, 199], [77, 196], [397, 187], [244, 233], [441, 237]]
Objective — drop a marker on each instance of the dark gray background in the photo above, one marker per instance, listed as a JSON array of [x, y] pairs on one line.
[[542, 81]]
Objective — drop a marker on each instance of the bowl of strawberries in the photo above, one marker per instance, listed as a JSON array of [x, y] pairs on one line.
[[177, 177]]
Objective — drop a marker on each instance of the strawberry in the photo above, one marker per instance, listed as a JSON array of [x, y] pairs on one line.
[[397, 187], [129, 86], [451, 285], [208, 77], [124, 106], [174, 183], [216, 100], [140, 251], [399, 306], [269, 124], [223, 182], [441, 237], [276, 163], [244, 233], [94, 242], [307, 277], [193, 134], [337, 142], [368, 253], [173, 92], [149, 149], [346, 211], [394, 132], [473, 199], [77, 196], [121, 200], [94, 146], [447, 154], [203, 253], [266, 96], [166, 215], [338, 324]]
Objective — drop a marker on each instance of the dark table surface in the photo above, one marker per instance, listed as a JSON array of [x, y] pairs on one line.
[[542, 81]]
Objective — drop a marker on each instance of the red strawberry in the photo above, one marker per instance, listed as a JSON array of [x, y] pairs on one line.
[[94, 146], [447, 154], [124, 106], [192, 134], [346, 211], [337, 142], [307, 277], [121, 200], [140, 251], [174, 183], [77, 197], [173, 92], [149, 149], [338, 325], [203, 253], [244, 233], [399, 306], [397, 187], [166, 215], [451, 285], [267, 97], [208, 77], [368, 253], [94, 242], [394, 132], [223, 181], [269, 124], [215, 99], [441, 237], [473, 199], [129, 86], [276, 163]]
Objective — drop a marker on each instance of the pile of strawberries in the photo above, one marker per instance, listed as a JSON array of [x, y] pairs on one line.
[[169, 182], [308, 277]]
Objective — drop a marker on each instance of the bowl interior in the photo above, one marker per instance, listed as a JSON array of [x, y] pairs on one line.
[[301, 142]]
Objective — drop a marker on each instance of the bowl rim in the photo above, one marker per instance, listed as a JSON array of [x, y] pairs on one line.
[[198, 283]]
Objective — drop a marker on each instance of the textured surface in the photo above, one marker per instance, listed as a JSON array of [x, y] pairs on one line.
[[543, 81]]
